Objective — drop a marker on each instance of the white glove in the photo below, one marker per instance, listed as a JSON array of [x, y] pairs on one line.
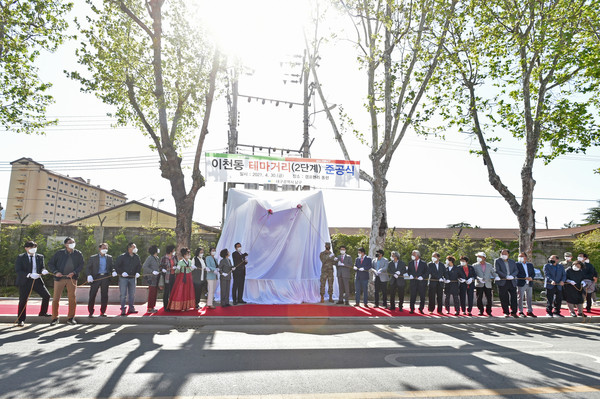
[[355, 268], [481, 280], [497, 278], [124, 274], [583, 284], [137, 275], [233, 269], [90, 279], [224, 274], [44, 272], [177, 267], [405, 275], [335, 259], [442, 280], [155, 272], [510, 277], [217, 270], [420, 278], [340, 263], [34, 276], [114, 274], [193, 267], [410, 277], [397, 274], [164, 271], [572, 282], [362, 269], [470, 280], [461, 280], [447, 281]]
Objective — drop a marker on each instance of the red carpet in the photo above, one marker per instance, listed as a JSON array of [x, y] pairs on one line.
[[303, 310]]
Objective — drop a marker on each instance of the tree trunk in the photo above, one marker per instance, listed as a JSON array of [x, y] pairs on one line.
[[379, 224], [183, 227]]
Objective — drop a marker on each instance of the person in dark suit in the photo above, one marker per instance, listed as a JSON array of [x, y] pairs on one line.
[[436, 283], [397, 272], [466, 288], [240, 260], [361, 281], [525, 273], [343, 267], [225, 268], [590, 276], [506, 269], [451, 285], [555, 277], [418, 273], [99, 267], [29, 267]]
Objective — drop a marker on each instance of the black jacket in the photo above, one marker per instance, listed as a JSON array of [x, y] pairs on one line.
[[239, 263], [521, 274], [59, 260], [23, 267], [128, 264]]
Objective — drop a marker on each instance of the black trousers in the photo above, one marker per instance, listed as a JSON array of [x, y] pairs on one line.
[[380, 288], [167, 290], [588, 299], [200, 289], [237, 290], [40, 288], [417, 287], [397, 286], [554, 298], [481, 291], [436, 294], [455, 302], [466, 296], [508, 295], [102, 283]]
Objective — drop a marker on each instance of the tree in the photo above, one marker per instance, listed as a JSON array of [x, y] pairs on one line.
[[399, 55], [155, 67], [529, 69], [26, 28], [461, 225], [593, 215]]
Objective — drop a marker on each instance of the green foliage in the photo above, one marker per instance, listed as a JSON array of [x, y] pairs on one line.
[[593, 215], [590, 245], [28, 26]]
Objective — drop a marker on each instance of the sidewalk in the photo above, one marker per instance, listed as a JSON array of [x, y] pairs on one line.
[[326, 313]]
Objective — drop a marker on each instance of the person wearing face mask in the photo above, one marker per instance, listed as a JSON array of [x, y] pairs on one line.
[[555, 277], [151, 276], [98, 268], [183, 296], [436, 283], [418, 274], [212, 273], [466, 288], [225, 268], [240, 260], [568, 260], [199, 276], [575, 288], [451, 285], [507, 284], [128, 267], [483, 283], [361, 280], [590, 277], [66, 264], [525, 284], [29, 267], [328, 260], [380, 278], [167, 264], [344, 265], [397, 270]]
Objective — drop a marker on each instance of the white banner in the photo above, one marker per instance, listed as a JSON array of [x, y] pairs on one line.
[[236, 168]]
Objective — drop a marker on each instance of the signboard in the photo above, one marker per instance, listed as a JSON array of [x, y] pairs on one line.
[[237, 168]]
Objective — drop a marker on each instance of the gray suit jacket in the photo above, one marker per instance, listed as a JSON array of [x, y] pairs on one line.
[[343, 267], [94, 264], [502, 271], [489, 274]]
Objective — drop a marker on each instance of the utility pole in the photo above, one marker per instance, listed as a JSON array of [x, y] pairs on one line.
[[232, 139], [306, 103]]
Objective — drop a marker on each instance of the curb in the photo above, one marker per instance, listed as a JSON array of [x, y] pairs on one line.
[[180, 321]]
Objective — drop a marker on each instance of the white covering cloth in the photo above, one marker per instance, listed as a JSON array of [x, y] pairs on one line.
[[283, 247]]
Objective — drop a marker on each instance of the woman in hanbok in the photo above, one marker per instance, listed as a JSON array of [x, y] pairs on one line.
[[183, 296]]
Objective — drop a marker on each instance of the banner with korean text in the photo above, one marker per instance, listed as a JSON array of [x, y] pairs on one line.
[[322, 173]]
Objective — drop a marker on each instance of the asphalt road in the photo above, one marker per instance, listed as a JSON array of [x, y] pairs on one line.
[[366, 361]]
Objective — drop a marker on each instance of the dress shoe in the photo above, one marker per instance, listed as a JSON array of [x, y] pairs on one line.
[[411, 311], [103, 315], [123, 313], [456, 313], [506, 315], [357, 304], [549, 314], [244, 302], [480, 313], [421, 311], [330, 300], [91, 316], [583, 315], [530, 314], [516, 316], [235, 302], [347, 303], [470, 314], [558, 314], [322, 299], [54, 322], [340, 302], [573, 314], [226, 305], [71, 321], [392, 308], [132, 311], [44, 315], [21, 324]]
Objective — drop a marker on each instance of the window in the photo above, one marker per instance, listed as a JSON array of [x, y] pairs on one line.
[[47, 203], [133, 216], [45, 220], [48, 195], [54, 180]]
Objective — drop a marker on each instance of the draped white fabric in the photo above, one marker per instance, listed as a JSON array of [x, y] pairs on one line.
[[283, 247]]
